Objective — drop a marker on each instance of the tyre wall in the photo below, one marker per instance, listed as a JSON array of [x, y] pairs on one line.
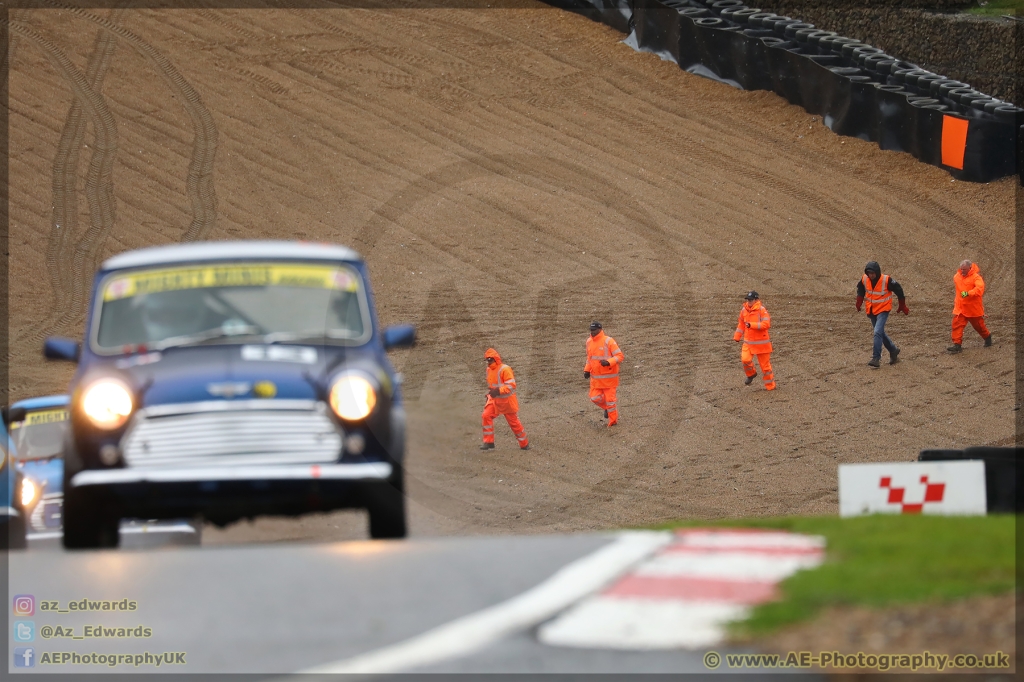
[[857, 89], [982, 51], [1002, 475]]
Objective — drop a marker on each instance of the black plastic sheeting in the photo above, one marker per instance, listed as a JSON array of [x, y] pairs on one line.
[[1002, 475], [858, 90]]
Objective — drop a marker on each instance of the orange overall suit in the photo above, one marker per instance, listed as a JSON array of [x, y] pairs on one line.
[[968, 305], [500, 380], [604, 380], [752, 330]]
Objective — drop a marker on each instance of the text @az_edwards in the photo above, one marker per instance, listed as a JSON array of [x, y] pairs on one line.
[[95, 632], [112, 660], [882, 662]]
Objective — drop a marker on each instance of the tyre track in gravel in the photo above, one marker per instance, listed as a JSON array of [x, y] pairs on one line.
[[322, 67], [69, 273], [801, 196], [543, 173], [557, 173], [99, 188], [477, 162], [199, 185]]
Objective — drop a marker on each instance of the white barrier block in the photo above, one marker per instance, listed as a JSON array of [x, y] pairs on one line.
[[952, 488]]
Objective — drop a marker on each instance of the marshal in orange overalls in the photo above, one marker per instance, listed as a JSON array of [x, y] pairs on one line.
[[752, 330], [501, 399], [604, 380], [968, 305]]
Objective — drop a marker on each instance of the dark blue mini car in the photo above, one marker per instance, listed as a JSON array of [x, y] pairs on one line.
[[229, 380]]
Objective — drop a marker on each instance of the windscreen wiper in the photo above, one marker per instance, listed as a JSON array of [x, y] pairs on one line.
[[208, 335], [310, 335]]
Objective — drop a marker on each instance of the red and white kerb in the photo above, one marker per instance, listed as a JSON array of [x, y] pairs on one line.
[[683, 596]]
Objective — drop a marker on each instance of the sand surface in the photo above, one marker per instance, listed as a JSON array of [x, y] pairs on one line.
[[509, 175]]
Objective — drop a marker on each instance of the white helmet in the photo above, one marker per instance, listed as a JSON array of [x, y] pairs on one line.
[[173, 313]]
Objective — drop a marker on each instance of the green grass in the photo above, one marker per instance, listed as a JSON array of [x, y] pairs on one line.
[[884, 560], [999, 7]]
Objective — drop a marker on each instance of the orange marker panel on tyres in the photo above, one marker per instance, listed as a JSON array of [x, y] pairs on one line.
[[954, 141]]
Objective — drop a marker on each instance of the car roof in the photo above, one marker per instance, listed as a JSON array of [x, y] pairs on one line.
[[230, 250], [43, 402]]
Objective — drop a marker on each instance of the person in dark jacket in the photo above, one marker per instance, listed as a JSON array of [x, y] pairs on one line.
[[877, 289]]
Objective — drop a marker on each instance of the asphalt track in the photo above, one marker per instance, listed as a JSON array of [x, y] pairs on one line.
[[284, 608]]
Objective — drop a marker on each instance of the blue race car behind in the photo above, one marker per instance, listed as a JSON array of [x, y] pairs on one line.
[[38, 430], [18, 493], [231, 380]]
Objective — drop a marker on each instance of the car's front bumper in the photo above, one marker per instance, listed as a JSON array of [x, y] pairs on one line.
[[223, 494]]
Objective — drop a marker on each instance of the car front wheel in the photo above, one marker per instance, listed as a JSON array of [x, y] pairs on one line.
[[14, 534], [89, 520], [88, 523], [386, 505]]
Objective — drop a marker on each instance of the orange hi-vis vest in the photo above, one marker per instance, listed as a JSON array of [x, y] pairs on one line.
[[500, 376], [603, 347], [755, 336], [878, 300]]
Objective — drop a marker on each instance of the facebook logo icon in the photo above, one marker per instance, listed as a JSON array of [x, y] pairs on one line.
[[24, 657]]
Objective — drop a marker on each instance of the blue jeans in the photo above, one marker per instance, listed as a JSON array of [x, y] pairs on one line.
[[881, 339]]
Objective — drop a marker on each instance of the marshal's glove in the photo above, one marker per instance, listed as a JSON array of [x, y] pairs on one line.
[[903, 308], [605, 363], [586, 375], [860, 302], [494, 393], [963, 294], [748, 325]]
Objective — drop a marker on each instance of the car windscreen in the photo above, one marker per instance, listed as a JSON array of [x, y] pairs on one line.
[[41, 434], [198, 304]]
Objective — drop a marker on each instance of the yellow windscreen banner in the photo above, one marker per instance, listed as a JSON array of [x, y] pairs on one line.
[[335, 277], [42, 417]]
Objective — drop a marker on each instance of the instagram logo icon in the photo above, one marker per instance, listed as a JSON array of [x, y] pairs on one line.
[[24, 605]]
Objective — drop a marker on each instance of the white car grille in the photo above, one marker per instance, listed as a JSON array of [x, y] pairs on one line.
[[241, 432]]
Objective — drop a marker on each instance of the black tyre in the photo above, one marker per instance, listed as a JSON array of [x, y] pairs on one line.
[[88, 522], [386, 506], [14, 534]]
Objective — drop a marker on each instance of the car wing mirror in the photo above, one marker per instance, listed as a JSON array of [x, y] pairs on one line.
[[13, 414], [57, 348], [399, 336]]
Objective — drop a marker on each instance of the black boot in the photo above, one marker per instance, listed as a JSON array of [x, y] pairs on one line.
[[955, 348], [874, 363], [749, 380], [487, 446], [606, 414], [988, 341], [894, 356]]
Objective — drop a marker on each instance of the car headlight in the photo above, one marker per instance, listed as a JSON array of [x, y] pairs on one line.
[[29, 493], [107, 404], [353, 397]]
